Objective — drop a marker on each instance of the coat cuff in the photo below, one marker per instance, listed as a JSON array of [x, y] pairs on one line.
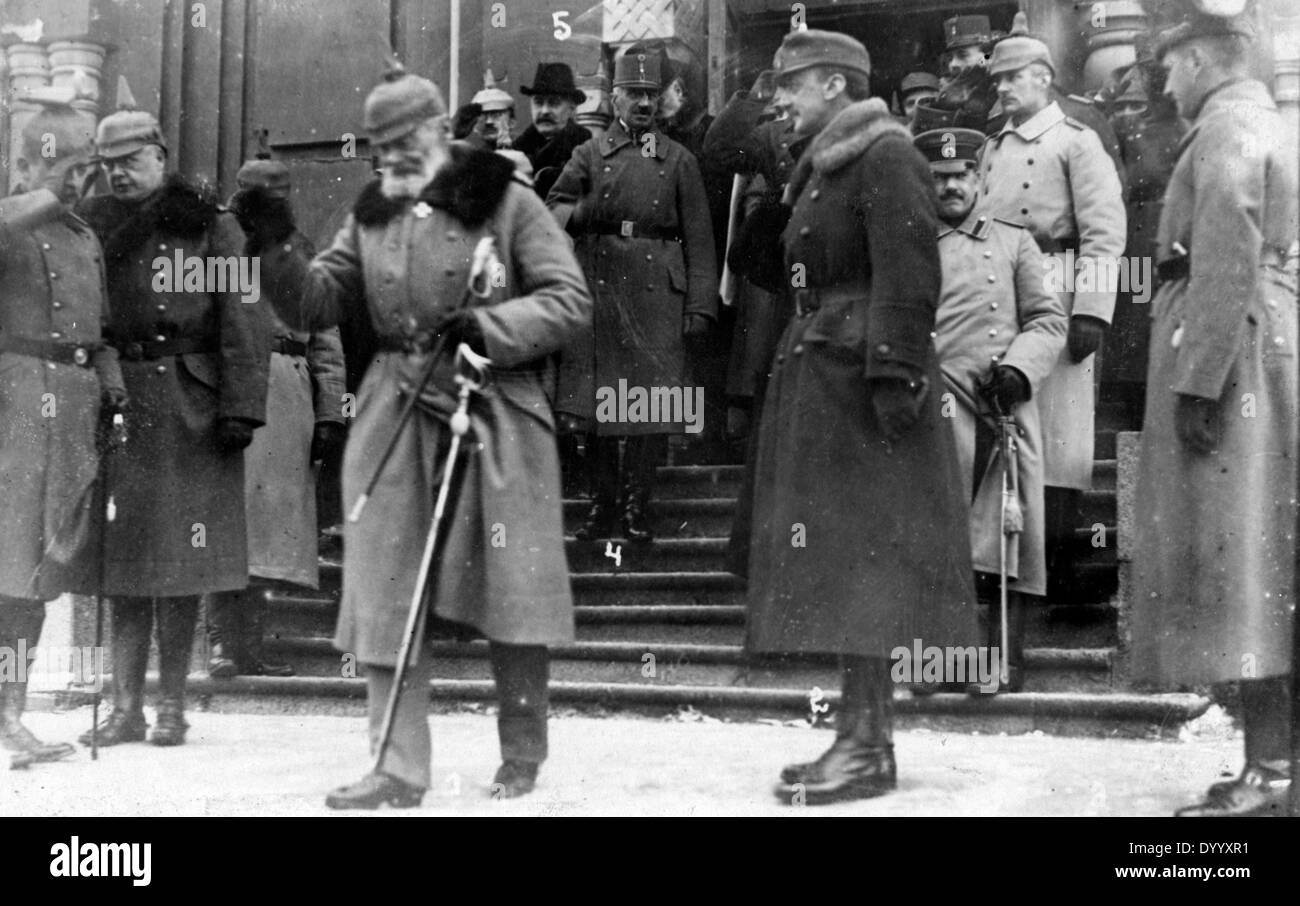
[[1099, 305]]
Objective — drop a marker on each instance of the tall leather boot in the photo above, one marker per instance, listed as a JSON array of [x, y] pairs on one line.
[[223, 620], [177, 618], [131, 625], [252, 663], [860, 763], [22, 620], [601, 518], [644, 453]]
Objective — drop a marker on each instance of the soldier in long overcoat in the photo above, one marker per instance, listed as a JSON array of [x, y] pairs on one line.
[[1048, 171], [403, 259], [998, 334], [191, 333], [1214, 554], [304, 426], [636, 205], [56, 379], [860, 539]]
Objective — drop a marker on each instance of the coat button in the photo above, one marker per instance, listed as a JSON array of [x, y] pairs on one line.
[[45, 246], [649, 257], [606, 195], [162, 307], [934, 335], [992, 279], [993, 332], [160, 338], [161, 369], [988, 254], [1279, 341], [798, 349], [58, 305], [1024, 210], [779, 359], [1030, 161], [600, 282], [883, 349], [452, 234], [993, 305], [54, 335], [804, 231], [607, 169], [815, 194], [1026, 185], [53, 276], [51, 365]]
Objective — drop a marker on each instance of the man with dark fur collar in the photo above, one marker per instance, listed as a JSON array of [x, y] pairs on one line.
[[860, 542], [194, 359], [550, 140], [402, 260]]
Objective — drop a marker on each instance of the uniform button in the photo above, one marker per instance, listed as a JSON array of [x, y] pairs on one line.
[[779, 359], [649, 257], [452, 234], [162, 307], [993, 332], [162, 246], [814, 194], [1279, 341], [883, 349], [607, 169], [54, 335], [58, 305], [1026, 185], [992, 279], [288, 246], [600, 282], [661, 172], [993, 305], [160, 338], [50, 365], [798, 349], [161, 369], [988, 254], [53, 276], [1272, 303], [1024, 210], [606, 195], [934, 335], [804, 231], [655, 202], [649, 286], [46, 246], [1030, 161]]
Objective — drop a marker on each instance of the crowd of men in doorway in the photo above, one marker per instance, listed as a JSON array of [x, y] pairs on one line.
[[918, 321]]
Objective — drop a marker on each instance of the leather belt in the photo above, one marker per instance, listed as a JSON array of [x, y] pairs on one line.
[[51, 351], [145, 350], [630, 229], [289, 346], [1055, 246], [809, 300]]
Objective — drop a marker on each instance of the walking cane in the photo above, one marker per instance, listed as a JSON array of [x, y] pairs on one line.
[[480, 287], [477, 365], [109, 510]]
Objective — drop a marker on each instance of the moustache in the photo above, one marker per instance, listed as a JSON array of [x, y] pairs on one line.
[[953, 196], [546, 118]]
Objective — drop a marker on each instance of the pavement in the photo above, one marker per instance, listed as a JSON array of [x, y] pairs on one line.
[[686, 764]]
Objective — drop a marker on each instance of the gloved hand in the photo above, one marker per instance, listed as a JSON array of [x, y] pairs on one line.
[[326, 440], [1086, 334], [764, 88], [897, 404], [264, 218], [112, 400], [233, 434], [462, 124], [1004, 387], [1196, 420], [461, 327]]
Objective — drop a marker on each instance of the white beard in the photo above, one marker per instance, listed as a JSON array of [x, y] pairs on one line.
[[407, 186]]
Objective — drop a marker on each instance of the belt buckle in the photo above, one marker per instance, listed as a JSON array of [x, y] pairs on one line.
[[625, 229], [80, 356]]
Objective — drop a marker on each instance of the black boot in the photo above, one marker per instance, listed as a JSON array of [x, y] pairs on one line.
[[132, 623], [374, 790], [602, 518], [20, 622], [177, 618], [223, 624], [1265, 782], [255, 604], [860, 763], [640, 463], [514, 779]]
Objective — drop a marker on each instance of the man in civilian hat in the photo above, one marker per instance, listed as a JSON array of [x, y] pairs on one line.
[[998, 333], [304, 425], [550, 140], [1049, 172], [916, 88], [59, 380], [1214, 560], [194, 357], [860, 541], [496, 117], [404, 260], [635, 203]]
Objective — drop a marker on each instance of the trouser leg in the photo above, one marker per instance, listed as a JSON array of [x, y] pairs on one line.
[[867, 701], [1061, 518], [131, 624], [602, 459], [641, 459], [224, 622], [177, 618], [522, 674], [410, 747], [1266, 714]]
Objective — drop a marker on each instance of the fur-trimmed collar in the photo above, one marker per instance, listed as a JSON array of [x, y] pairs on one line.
[[179, 208], [846, 138], [469, 188]]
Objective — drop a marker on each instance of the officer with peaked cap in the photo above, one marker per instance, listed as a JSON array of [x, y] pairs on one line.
[[407, 249], [57, 382], [966, 40], [635, 202], [860, 540], [194, 359], [916, 88], [998, 334], [1049, 172], [1214, 555], [304, 426]]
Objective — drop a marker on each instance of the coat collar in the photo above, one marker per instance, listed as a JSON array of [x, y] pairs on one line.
[[469, 187], [845, 139], [974, 226], [1036, 125], [617, 138], [1228, 96]]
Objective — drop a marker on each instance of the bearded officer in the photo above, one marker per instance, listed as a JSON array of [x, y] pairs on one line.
[[1214, 552], [1049, 172], [195, 365], [860, 537], [998, 333], [58, 379], [304, 414], [406, 251]]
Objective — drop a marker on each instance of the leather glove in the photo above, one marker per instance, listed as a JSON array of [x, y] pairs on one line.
[[233, 434], [462, 124], [1086, 334], [112, 400], [326, 440], [1004, 387], [1196, 420], [265, 219], [897, 404]]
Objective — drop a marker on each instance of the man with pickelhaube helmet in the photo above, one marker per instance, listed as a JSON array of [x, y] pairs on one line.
[[304, 427], [635, 202], [1214, 556], [52, 309], [860, 540], [195, 365], [550, 140]]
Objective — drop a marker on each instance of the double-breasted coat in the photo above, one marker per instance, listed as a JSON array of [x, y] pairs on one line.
[[51, 291], [1052, 174], [305, 387], [180, 524], [1214, 537], [859, 544], [404, 265], [994, 310], [643, 284]]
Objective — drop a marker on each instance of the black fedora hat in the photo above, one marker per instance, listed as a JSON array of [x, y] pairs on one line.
[[555, 78]]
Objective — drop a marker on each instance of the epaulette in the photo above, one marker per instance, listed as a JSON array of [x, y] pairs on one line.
[[1011, 223], [1076, 124]]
